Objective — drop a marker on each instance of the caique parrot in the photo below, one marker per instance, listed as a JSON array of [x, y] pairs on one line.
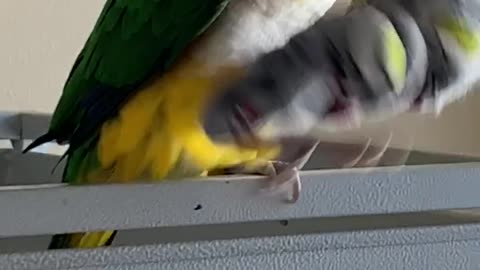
[[132, 106], [172, 89]]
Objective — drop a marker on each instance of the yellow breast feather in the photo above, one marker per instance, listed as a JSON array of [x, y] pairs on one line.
[[160, 125]]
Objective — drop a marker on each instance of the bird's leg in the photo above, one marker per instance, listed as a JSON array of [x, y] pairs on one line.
[[372, 160], [284, 174], [357, 159], [375, 158]]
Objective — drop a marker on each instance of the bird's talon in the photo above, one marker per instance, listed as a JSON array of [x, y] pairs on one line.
[[288, 181]]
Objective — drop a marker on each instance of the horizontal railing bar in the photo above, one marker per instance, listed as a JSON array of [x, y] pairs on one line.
[[454, 247], [57, 209], [210, 232]]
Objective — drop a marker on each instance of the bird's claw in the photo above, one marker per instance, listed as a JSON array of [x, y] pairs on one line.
[[363, 160], [284, 178]]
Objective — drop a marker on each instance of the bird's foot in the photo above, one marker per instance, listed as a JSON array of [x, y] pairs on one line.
[[362, 160], [284, 178], [284, 174]]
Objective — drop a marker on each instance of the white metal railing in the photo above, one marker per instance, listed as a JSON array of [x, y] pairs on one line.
[[42, 210], [351, 219]]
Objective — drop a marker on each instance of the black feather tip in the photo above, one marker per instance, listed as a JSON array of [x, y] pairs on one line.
[[48, 137]]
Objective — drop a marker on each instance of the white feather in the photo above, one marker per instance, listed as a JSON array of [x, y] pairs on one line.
[[249, 28]]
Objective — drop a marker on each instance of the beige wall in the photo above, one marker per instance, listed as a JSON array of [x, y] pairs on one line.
[[40, 40]]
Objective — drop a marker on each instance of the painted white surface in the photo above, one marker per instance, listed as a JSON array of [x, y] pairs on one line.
[[39, 209], [40, 40], [439, 248]]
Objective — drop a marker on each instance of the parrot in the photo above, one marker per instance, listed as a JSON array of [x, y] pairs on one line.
[[131, 105], [175, 89]]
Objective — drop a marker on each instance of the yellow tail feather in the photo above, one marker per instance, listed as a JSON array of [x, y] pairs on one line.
[[82, 240], [90, 239]]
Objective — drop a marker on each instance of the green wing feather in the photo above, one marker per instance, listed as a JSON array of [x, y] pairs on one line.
[[131, 40]]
